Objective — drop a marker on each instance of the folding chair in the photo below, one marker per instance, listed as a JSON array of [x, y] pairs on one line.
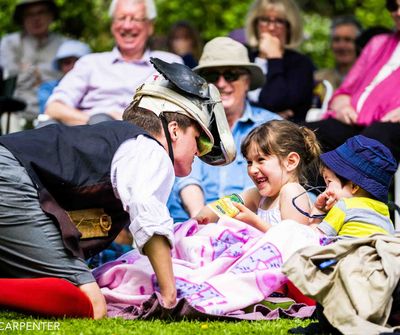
[[9, 104], [322, 93]]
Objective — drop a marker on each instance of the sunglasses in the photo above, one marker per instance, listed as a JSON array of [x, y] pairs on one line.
[[392, 6], [229, 75], [311, 216]]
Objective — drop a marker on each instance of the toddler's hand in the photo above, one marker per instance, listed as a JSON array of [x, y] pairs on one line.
[[325, 201]]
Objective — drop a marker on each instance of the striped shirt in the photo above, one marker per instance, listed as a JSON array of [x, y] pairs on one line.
[[358, 217]]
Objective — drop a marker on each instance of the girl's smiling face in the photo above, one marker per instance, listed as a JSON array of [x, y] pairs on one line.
[[266, 171]]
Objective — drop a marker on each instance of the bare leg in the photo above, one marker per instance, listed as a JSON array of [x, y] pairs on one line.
[[92, 290]]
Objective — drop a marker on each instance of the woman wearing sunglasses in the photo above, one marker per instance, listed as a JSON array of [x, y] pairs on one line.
[[273, 29], [368, 101]]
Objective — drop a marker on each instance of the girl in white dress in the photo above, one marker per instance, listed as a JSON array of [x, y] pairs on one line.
[[279, 155]]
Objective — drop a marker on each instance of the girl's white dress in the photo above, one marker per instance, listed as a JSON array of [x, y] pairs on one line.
[[271, 215]]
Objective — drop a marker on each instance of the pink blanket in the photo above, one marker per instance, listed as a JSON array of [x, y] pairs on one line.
[[220, 269]]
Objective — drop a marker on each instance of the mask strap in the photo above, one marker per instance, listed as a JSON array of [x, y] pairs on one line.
[[167, 136]]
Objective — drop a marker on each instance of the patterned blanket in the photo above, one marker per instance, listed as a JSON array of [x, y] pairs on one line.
[[223, 269]]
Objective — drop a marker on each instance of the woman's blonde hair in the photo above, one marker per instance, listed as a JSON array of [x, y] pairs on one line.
[[288, 9], [280, 138]]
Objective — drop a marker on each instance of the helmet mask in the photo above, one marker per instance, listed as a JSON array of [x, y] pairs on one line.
[[194, 98]]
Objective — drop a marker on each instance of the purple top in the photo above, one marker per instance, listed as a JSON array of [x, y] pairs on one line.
[[384, 97], [104, 81]]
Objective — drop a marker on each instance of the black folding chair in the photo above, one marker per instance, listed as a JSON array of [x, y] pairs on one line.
[[9, 104]]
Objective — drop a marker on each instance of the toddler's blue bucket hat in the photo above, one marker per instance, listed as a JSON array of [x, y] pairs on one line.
[[364, 161]]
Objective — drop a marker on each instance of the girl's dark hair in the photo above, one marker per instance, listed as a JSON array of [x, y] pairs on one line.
[[280, 138]]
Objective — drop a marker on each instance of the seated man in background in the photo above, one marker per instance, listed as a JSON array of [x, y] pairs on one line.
[[28, 54], [101, 85], [344, 32], [226, 64]]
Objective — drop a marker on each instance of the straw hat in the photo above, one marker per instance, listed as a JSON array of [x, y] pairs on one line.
[[224, 51]]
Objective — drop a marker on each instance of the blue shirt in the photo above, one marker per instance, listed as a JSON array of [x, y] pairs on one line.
[[217, 181], [44, 92]]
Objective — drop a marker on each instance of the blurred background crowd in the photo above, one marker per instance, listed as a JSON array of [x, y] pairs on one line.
[[88, 20]]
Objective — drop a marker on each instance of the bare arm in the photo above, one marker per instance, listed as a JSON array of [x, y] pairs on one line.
[[206, 215], [158, 251], [324, 202], [248, 216], [66, 114], [287, 209], [192, 199]]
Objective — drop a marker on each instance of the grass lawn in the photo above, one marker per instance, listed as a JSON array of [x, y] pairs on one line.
[[14, 323]]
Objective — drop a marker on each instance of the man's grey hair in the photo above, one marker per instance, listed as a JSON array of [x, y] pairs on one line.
[[346, 20], [150, 8]]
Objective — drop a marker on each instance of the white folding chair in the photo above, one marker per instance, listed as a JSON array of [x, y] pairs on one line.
[[323, 90]]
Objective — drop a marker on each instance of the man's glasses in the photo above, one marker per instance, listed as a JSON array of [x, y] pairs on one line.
[[130, 19], [265, 20], [229, 75], [392, 6]]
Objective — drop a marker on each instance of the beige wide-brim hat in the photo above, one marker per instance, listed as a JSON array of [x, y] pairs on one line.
[[224, 51]]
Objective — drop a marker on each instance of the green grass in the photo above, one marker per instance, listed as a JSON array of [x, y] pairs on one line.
[[117, 326]]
